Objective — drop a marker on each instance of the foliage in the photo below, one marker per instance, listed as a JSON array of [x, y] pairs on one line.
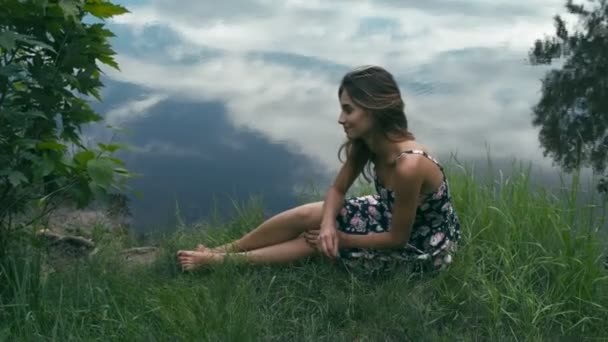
[[573, 109], [48, 71]]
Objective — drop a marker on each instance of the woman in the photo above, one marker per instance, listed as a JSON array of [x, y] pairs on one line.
[[411, 218]]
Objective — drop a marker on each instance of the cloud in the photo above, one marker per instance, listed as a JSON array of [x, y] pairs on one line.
[[276, 100], [197, 12], [496, 9], [461, 65], [331, 30], [133, 109], [165, 148], [300, 108]]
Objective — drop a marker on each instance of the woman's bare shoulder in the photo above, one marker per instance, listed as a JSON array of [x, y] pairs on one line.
[[417, 146], [421, 167]]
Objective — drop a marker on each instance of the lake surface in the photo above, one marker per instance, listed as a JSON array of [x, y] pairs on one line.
[[224, 100]]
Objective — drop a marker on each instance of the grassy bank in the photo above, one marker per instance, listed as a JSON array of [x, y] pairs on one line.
[[529, 268]]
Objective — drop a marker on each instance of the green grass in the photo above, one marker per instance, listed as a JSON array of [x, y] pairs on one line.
[[529, 269]]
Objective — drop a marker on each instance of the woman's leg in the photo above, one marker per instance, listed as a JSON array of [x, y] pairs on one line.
[[282, 227], [279, 253]]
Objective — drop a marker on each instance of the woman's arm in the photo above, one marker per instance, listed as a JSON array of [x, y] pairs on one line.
[[407, 189], [334, 200], [331, 205], [334, 197]]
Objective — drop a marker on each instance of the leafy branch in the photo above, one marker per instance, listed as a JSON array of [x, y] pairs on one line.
[[49, 54]]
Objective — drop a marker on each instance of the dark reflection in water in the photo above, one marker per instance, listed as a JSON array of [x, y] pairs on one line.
[[572, 111], [190, 153], [470, 92]]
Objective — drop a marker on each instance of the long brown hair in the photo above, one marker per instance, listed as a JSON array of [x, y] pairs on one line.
[[375, 90]]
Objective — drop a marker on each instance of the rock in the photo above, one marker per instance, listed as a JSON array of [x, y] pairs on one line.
[[67, 221], [85, 222], [139, 256], [65, 249], [67, 245]]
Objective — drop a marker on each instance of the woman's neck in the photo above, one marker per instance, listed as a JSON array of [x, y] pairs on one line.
[[385, 150]]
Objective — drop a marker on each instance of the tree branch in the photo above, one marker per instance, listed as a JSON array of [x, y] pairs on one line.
[[9, 84], [6, 190], [2, 97], [10, 221]]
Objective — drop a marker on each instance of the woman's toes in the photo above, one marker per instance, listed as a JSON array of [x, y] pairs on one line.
[[187, 253]]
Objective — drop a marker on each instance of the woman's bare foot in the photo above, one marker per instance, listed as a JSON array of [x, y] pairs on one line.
[[191, 260], [203, 248], [227, 248]]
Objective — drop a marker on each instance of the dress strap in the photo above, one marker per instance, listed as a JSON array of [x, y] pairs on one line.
[[420, 152]]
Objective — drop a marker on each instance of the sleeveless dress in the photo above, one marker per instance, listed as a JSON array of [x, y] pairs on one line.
[[433, 237]]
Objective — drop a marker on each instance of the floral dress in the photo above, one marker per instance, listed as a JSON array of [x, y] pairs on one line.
[[433, 236]]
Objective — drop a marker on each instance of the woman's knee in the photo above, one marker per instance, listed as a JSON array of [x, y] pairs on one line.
[[310, 214]]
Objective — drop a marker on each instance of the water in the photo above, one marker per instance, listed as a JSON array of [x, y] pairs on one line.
[[225, 101]]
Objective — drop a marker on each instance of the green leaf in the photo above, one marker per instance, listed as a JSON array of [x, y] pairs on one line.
[[109, 61], [101, 171], [35, 114], [16, 178], [99, 30], [117, 161], [50, 145], [29, 156], [83, 157], [19, 86], [8, 39], [103, 9], [45, 89], [46, 167], [121, 170], [110, 147], [99, 191], [69, 8], [11, 69], [28, 143], [35, 42]]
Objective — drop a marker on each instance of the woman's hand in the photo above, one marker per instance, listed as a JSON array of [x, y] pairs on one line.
[[312, 238], [327, 243], [328, 240]]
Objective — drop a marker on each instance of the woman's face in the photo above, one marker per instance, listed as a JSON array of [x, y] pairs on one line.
[[357, 122]]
